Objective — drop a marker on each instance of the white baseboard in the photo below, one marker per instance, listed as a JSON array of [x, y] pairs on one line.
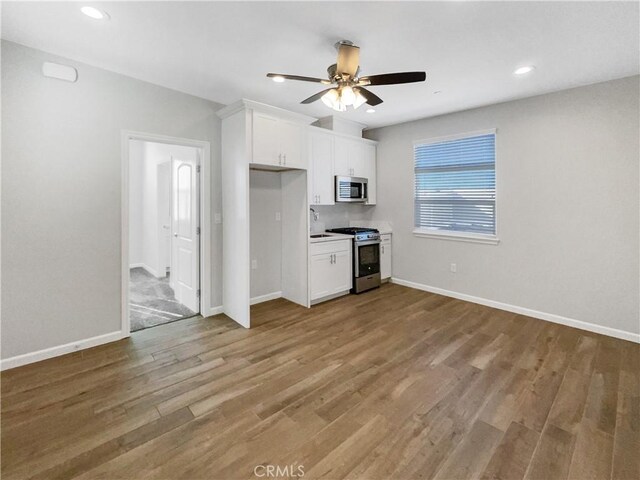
[[266, 298], [549, 317], [214, 311], [39, 355]]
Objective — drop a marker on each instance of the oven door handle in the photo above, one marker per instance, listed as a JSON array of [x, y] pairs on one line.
[[367, 242]]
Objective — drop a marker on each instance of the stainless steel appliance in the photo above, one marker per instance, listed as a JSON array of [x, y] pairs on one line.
[[366, 257], [351, 189]]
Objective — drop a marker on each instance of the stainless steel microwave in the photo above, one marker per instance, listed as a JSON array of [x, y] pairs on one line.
[[351, 189]]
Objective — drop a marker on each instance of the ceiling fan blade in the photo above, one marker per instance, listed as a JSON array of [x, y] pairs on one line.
[[393, 78], [315, 97], [348, 60], [372, 98], [300, 78]]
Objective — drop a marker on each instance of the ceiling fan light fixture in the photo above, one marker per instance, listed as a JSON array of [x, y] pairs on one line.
[[359, 101], [332, 99], [347, 95]]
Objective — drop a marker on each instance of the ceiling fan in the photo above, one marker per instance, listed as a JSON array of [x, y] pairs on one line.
[[349, 88]]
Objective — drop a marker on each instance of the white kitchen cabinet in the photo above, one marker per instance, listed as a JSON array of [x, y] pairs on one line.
[[349, 161], [357, 158], [385, 256], [255, 133], [277, 142], [266, 146], [293, 144], [321, 182], [330, 268]]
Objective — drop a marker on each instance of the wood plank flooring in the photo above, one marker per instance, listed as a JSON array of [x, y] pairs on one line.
[[395, 383]]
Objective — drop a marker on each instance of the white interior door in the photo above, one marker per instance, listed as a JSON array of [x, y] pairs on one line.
[[185, 244]]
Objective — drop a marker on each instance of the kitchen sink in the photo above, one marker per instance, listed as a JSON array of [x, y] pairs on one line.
[[320, 235]]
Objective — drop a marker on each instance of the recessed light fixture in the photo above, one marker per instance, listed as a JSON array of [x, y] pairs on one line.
[[95, 13], [371, 110], [524, 70], [278, 79]]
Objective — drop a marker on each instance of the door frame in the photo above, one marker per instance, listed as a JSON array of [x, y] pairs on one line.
[[204, 190]]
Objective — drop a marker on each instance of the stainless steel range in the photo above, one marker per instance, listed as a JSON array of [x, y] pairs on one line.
[[366, 257]]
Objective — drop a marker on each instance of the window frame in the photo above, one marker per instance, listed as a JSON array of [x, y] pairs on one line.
[[425, 232]]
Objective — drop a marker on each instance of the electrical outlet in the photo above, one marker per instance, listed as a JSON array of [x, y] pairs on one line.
[[217, 218], [277, 216], [254, 264], [454, 268]]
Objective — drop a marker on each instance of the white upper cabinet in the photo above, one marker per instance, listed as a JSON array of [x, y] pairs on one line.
[[348, 157], [266, 144], [278, 142], [321, 166], [293, 144], [357, 158]]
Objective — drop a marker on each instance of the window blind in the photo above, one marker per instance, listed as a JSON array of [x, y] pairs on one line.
[[455, 185]]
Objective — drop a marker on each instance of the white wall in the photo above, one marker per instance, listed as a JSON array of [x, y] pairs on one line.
[[567, 205], [265, 198], [61, 161]]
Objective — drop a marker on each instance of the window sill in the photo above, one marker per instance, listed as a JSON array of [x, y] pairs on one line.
[[458, 237]]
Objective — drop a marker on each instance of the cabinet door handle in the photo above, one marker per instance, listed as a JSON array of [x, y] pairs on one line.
[[279, 159], [285, 158], [382, 248], [319, 198]]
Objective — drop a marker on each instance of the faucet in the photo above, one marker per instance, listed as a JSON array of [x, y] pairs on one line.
[[315, 215]]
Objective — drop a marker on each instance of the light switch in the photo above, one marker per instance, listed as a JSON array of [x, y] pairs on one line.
[[277, 216]]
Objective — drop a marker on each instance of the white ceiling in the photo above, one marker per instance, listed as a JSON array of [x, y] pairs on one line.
[[222, 51]]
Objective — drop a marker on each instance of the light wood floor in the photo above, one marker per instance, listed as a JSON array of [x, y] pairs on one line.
[[395, 383]]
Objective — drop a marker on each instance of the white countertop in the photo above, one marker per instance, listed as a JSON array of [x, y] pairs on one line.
[[332, 237]]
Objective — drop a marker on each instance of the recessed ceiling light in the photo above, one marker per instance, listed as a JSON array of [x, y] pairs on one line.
[[278, 79], [95, 13], [371, 110], [524, 70]]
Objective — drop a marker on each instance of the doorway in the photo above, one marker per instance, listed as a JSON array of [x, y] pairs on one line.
[[163, 245]]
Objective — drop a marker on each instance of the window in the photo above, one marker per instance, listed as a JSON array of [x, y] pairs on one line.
[[455, 187]]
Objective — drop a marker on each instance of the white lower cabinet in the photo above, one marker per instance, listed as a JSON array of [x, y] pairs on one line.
[[385, 256], [330, 268]]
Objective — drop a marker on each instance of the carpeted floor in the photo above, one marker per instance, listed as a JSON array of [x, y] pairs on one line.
[[152, 301]]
